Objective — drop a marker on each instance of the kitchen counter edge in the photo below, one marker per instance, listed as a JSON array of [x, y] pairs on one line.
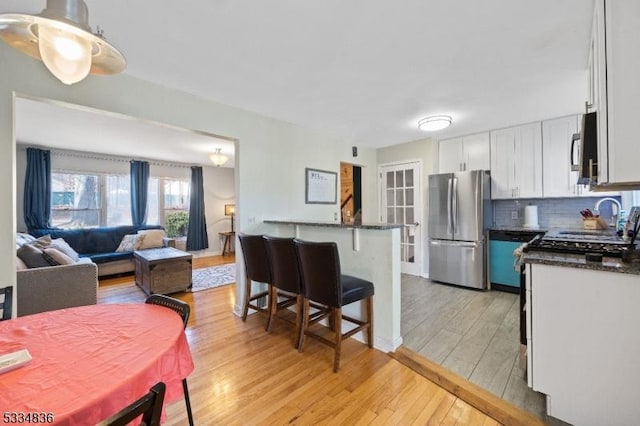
[[609, 264], [519, 229], [377, 226]]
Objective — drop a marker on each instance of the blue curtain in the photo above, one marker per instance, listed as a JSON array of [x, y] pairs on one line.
[[139, 191], [37, 189], [197, 232]]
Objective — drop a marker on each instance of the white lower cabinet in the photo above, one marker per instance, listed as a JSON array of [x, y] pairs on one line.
[[516, 162], [583, 341]]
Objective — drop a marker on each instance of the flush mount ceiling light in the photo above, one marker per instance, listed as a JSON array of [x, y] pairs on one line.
[[436, 122], [218, 159], [60, 36]]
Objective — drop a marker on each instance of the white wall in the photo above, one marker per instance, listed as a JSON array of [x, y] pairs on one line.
[[425, 151], [219, 188], [270, 156]]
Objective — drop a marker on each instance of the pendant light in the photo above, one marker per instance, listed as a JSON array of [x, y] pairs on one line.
[[60, 36], [218, 158]]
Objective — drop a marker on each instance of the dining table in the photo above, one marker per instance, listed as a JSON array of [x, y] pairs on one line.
[[89, 362]]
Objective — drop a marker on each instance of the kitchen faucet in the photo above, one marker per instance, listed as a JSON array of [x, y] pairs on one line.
[[614, 213]]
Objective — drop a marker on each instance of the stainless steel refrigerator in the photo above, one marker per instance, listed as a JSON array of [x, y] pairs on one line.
[[459, 214]]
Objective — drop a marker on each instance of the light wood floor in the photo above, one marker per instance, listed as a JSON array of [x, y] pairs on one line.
[[245, 376], [472, 333]]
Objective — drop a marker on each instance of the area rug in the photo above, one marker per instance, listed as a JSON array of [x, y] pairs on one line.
[[213, 276]]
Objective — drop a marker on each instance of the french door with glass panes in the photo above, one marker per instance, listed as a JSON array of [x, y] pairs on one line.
[[401, 203]]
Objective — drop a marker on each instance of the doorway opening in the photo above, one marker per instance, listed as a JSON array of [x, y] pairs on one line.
[[350, 193]]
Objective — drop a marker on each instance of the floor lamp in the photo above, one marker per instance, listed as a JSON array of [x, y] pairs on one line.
[[230, 210]]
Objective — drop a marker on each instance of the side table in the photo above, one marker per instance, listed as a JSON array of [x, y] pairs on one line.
[[176, 242], [228, 237]]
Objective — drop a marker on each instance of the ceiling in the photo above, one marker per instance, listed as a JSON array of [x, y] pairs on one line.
[[65, 126], [362, 70]]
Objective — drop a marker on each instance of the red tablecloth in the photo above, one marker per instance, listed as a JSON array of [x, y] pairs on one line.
[[92, 361]]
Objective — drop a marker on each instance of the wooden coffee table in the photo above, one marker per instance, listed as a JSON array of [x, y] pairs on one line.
[[163, 270]]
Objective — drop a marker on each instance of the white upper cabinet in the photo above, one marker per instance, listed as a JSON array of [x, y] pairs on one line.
[[477, 150], [464, 154], [450, 155], [557, 179], [502, 175], [516, 162], [616, 64]]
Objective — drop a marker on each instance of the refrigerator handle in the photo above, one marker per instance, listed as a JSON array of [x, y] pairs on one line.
[[449, 221], [454, 203]]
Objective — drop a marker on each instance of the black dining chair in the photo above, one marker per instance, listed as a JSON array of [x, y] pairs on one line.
[[184, 310], [256, 264], [7, 303], [324, 284], [149, 406], [286, 288]]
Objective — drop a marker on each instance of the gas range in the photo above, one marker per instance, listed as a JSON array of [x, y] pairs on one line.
[[579, 243]]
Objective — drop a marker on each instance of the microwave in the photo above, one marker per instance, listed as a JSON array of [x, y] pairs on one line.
[[584, 150]]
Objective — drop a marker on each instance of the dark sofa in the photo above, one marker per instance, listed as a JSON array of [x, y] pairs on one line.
[[99, 244]]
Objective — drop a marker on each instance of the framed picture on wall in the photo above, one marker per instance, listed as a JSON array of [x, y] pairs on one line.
[[321, 187]]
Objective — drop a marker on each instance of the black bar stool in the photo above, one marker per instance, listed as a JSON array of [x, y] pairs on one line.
[[286, 288], [257, 269], [324, 284]]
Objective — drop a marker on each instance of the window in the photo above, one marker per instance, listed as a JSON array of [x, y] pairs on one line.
[[153, 202], [118, 201], [176, 196], [89, 200], [75, 200], [168, 196]]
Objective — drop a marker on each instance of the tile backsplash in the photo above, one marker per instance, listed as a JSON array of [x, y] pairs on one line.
[[552, 212]]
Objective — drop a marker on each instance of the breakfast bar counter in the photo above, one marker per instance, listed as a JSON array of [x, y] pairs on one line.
[[369, 251], [378, 226]]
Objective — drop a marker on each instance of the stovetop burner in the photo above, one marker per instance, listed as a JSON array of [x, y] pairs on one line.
[[576, 247]]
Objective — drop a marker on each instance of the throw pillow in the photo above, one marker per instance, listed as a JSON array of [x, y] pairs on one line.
[[130, 242], [152, 238], [23, 238], [55, 257], [42, 242], [65, 248], [32, 256], [20, 265]]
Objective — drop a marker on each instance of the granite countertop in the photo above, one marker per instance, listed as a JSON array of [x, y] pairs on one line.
[[517, 229], [608, 264], [379, 226]]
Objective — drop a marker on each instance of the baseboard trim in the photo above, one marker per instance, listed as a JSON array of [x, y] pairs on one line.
[[490, 404]]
